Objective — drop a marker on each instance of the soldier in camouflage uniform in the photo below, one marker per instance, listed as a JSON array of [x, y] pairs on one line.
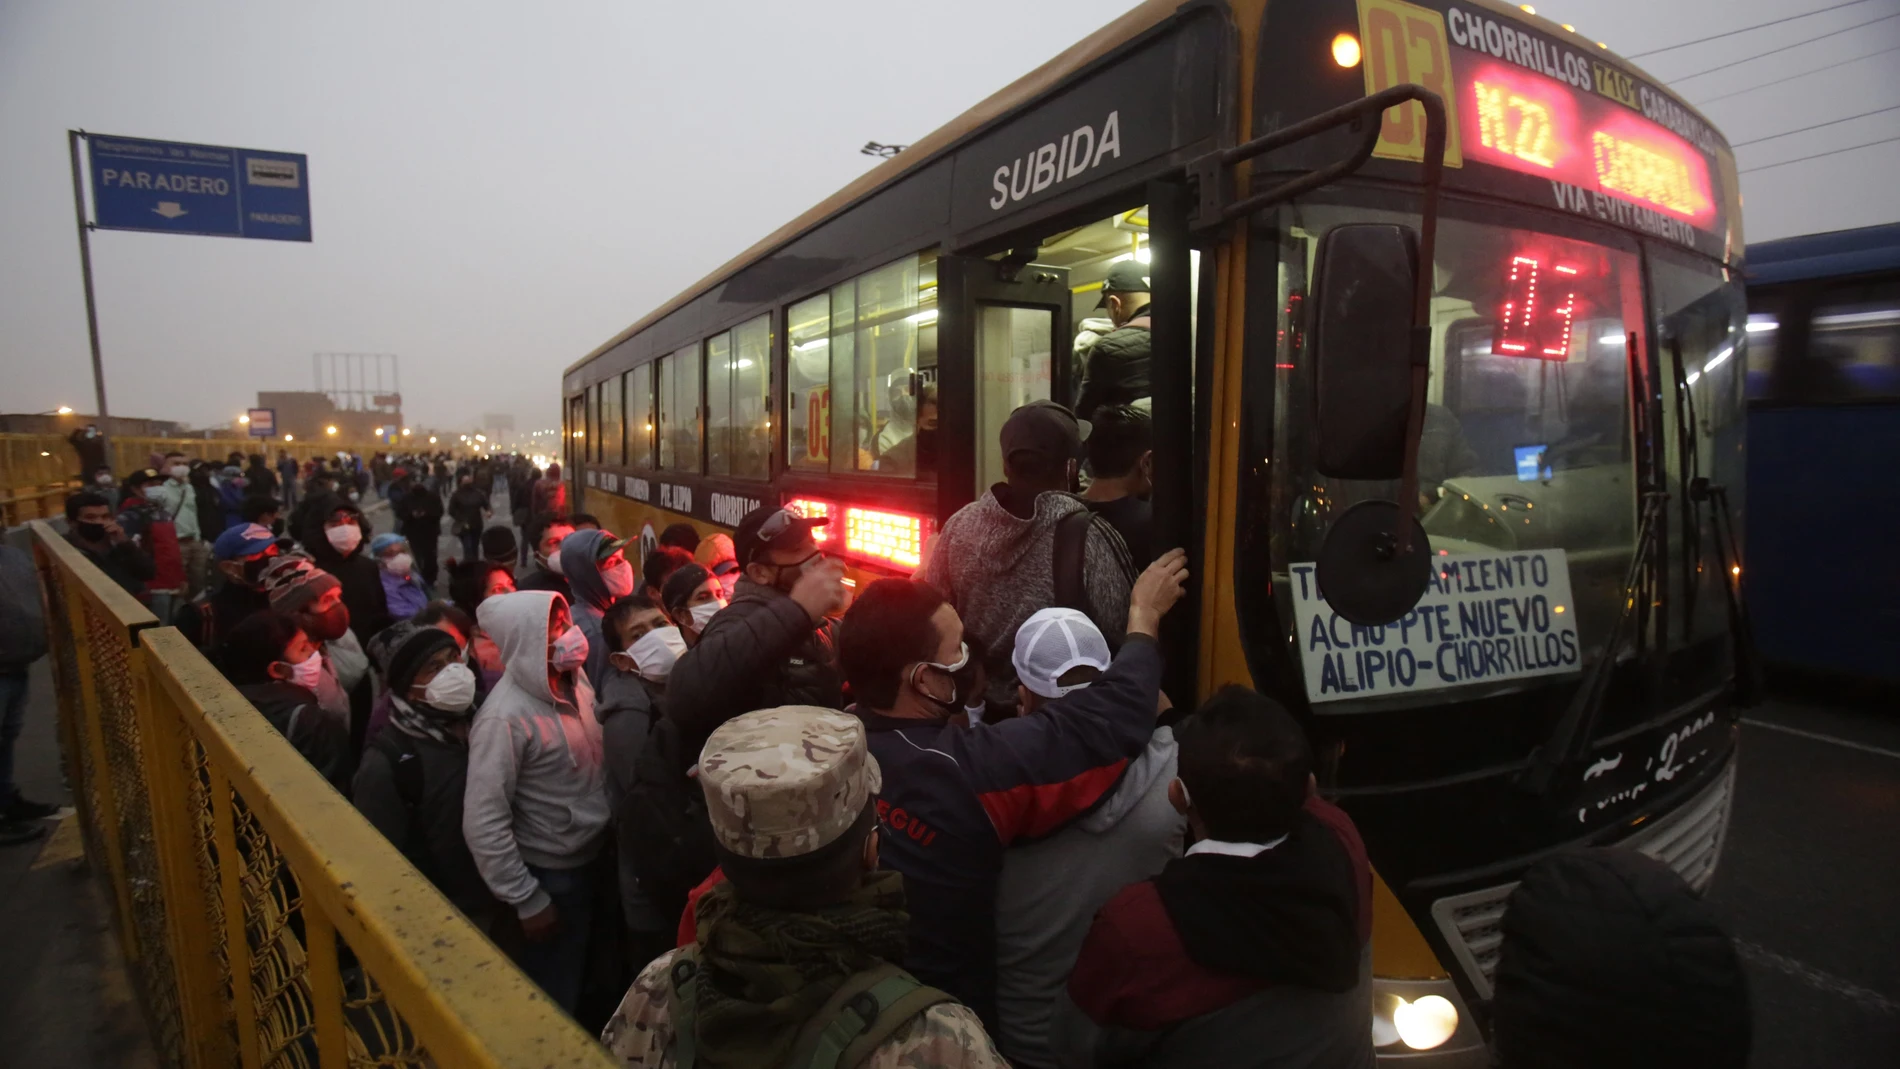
[[804, 910]]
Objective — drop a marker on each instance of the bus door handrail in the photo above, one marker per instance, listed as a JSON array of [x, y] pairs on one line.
[[1212, 177]]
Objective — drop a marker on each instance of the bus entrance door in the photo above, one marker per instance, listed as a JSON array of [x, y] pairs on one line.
[[1004, 340]]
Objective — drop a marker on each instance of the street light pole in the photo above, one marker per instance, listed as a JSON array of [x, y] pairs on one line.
[[85, 273]]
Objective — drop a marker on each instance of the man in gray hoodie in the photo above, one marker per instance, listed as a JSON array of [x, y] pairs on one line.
[[996, 560], [536, 803], [1050, 889]]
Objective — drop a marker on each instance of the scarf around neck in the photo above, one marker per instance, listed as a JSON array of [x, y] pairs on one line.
[[765, 972], [426, 723]]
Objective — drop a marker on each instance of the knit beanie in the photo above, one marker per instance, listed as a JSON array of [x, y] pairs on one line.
[[294, 581], [414, 652]]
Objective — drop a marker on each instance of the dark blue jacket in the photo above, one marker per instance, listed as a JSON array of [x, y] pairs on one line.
[[955, 797]]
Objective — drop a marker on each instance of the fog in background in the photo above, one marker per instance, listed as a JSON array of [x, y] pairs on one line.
[[498, 188]]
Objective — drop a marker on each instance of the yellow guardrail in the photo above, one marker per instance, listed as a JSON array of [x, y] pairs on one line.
[[265, 922]]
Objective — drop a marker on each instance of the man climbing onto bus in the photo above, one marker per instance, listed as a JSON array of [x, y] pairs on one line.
[[1117, 368], [957, 796], [1255, 947], [1121, 475], [1029, 543], [774, 644], [800, 942]]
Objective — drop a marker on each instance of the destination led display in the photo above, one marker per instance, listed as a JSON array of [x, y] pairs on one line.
[[1533, 125]]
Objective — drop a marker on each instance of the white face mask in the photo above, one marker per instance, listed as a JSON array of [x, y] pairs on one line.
[[552, 562], [306, 672], [619, 579], [400, 564], [654, 653], [345, 538], [702, 613], [178, 471], [452, 690], [570, 650]]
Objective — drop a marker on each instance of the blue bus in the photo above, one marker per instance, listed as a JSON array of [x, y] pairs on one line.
[[1823, 381]]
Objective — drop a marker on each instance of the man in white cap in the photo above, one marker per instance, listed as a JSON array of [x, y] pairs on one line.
[[1050, 889], [795, 951]]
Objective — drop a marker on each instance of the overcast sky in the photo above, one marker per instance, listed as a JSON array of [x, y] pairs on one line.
[[499, 187]]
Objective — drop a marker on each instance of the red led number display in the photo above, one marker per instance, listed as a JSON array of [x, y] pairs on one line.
[[1540, 307]]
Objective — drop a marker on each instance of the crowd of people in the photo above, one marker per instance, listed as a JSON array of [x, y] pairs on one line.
[[734, 810]]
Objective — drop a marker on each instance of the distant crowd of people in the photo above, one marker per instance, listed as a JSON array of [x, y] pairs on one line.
[[733, 809]]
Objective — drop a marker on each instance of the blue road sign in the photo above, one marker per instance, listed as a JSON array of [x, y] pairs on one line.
[[263, 422], [180, 188]]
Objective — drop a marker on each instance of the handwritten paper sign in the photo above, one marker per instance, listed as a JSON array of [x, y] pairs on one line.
[[1485, 617]]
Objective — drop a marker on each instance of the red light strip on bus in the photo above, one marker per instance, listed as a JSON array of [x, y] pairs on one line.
[[891, 538]]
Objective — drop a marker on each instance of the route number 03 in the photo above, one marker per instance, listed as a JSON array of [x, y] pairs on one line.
[[1406, 43]]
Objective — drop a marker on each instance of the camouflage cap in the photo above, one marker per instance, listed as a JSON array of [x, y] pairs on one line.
[[785, 782]]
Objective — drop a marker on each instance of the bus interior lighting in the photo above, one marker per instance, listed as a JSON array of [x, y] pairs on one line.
[[1425, 1024]]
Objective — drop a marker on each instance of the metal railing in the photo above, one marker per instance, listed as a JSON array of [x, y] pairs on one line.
[[263, 920]]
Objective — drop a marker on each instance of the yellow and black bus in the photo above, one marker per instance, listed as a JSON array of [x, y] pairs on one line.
[[1558, 409]]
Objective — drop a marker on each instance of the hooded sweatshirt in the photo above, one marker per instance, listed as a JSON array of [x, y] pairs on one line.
[[997, 569], [536, 782], [579, 553], [1051, 889]]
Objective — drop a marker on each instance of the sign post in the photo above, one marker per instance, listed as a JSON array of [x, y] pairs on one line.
[[182, 188]]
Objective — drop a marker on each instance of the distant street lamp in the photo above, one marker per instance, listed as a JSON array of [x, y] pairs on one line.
[[432, 439], [244, 419], [379, 432], [290, 437], [405, 431], [329, 430]]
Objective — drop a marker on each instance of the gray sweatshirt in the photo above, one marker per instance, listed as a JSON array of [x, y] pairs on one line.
[[997, 568], [1050, 892], [536, 779]]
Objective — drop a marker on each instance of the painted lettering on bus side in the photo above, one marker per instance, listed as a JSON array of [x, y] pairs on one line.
[[676, 498], [1057, 161], [729, 509]]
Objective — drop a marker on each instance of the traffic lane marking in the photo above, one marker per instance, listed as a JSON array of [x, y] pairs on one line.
[[1827, 983], [1819, 737]]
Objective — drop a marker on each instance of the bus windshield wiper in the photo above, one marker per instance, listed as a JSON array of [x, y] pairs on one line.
[[1560, 751]]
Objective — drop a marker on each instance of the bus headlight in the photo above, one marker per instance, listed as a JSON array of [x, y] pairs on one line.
[[1426, 1023], [1422, 1021]]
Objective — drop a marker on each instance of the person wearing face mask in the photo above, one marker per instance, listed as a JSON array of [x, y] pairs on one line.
[[536, 806], [1029, 543], [93, 531], [240, 555], [954, 797], [313, 600], [596, 567], [645, 648], [335, 539], [278, 669], [773, 645], [148, 524], [402, 588], [545, 536], [414, 774], [691, 598], [179, 501]]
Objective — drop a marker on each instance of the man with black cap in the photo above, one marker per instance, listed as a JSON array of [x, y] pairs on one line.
[[1029, 543], [774, 644], [1116, 372]]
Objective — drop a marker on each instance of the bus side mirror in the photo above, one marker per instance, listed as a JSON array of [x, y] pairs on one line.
[[1365, 280]]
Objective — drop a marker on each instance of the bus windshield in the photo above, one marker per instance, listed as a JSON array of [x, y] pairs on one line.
[[1526, 457]]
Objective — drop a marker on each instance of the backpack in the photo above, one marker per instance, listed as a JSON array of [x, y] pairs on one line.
[[670, 839], [1071, 552], [864, 1012]]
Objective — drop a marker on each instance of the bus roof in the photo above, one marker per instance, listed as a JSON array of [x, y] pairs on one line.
[[1861, 251], [998, 105]]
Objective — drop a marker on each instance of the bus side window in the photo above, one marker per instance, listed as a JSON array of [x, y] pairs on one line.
[[861, 373], [679, 410], [612, 431], [640, 417]]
